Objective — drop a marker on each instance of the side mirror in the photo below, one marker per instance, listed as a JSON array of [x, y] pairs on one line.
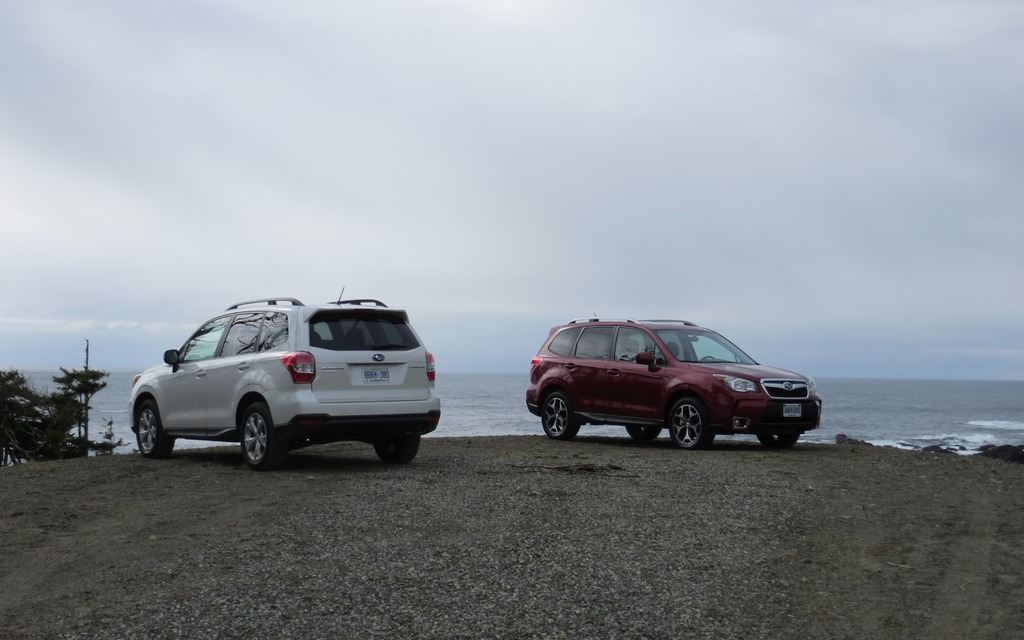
[[647, 358], [171, 358]]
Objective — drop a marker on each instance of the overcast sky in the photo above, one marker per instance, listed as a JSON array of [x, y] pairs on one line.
[[838, 187]]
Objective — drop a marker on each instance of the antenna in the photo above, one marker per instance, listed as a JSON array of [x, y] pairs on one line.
[[340, 295]]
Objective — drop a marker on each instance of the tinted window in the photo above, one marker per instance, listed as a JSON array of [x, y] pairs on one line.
[[562, 344], [275, 331], [203, 343], [596, 342], [242, 336], [361, 332]]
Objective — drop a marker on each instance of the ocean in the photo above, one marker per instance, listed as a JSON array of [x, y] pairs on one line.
[[908, 414]]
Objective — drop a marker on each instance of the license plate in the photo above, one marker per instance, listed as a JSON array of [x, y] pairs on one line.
[[791, 410], [376, 376]]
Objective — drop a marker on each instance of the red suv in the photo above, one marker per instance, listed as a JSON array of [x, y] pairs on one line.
[[651, 374]]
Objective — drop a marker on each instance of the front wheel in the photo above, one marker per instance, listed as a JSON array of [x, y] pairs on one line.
[[557, 417], [688, 425], [398, 450], [153, 441], [643, 433], [778, 440], [260, 448]]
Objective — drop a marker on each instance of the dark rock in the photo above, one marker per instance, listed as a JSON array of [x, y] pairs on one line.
[[1004, 452], [842, 438], [935, 448]]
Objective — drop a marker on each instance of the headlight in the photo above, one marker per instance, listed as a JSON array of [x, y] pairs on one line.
[[739, 385], [811, 387]]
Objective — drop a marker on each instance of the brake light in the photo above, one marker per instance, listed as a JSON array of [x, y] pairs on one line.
[[431, 370], [301, 365], [135, 381], [536, 361]]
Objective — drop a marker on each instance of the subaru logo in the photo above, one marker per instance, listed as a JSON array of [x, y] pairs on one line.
[[788, 386], [378, 357]]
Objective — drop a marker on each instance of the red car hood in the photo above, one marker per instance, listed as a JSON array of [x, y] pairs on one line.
[[756, 371]]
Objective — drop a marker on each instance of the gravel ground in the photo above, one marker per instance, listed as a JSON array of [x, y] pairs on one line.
[[516, 537]]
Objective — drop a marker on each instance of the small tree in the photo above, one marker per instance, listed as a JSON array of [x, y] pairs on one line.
[[80, 387], [51, 426], [23, 418], [106, 446]]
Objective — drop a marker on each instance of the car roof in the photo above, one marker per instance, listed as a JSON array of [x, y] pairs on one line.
[[619, 321], [293, 302]]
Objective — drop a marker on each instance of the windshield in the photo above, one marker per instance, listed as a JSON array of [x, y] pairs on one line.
[[689, 345]]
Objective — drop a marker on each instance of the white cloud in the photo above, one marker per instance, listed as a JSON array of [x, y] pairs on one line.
[[768, 169]]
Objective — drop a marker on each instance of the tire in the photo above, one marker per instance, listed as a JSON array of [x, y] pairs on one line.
[[643, 433], [557, 417], [688, 425], [778, 440], [398, 450], [261, 450], [152, 440]]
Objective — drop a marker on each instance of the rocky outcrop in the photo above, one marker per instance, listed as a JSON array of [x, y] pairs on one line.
[[842, 438], [1005, 452]]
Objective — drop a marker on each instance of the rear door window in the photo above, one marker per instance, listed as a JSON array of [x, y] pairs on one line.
[[243, 334]]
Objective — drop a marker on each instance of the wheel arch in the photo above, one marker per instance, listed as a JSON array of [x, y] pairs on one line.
[[244, 402], [137, 406], [675, 396]]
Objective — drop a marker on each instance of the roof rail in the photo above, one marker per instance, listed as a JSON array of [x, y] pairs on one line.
[[601, 320], [686, 322], [360, 302], [270, 301]]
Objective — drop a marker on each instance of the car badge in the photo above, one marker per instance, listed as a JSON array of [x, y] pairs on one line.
[[378, 357], [788, 386]]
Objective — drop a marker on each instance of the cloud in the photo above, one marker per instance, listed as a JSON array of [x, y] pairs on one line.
[[764, 169]]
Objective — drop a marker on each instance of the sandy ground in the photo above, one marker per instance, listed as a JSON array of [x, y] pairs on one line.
[[516, 537]]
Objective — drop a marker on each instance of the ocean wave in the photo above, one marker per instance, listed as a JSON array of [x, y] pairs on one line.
[[1003, 425]]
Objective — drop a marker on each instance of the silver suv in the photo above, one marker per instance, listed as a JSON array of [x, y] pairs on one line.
[[275, 374]]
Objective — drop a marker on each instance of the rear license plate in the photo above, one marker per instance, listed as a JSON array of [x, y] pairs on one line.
[[791, 410], [376, 376]]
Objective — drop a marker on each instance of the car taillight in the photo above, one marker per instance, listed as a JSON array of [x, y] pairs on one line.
[[431, 372], [536, 361], [135, 381], [301, 365]]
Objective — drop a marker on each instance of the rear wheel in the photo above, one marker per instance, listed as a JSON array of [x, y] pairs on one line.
[[260, 448], [688, 425], [778, 440], [153, 441], [557, 417], [643, 433], [398, 450]]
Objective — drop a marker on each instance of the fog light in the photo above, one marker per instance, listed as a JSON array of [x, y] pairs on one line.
[[740, 423]]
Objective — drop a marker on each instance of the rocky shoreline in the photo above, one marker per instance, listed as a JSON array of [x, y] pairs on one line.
[[517, 537], [1004, 452]]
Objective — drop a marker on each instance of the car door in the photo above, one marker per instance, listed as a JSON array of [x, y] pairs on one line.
[[633, 391], [587, 368], [226, 374], [183, 397]]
